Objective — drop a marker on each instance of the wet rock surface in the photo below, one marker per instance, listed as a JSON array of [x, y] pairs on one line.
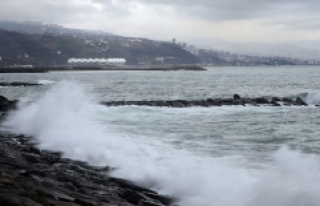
[[18, 84], [213, 102], [6, 105], [33, 177]]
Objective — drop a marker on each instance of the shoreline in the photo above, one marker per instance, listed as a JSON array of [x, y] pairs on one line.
[[33, 177], [92, 68]]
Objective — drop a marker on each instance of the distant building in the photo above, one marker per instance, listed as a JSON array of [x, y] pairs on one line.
[[160, 59], [173, 41], [20, 66], [97, 62]]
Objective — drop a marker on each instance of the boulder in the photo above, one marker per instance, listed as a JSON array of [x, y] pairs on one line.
[[236, 96], [299, 101], [262, 100], [205, 103], [275, 103], [286, 99], [238, 102], [276, 99], [177, 104], [149, 203]]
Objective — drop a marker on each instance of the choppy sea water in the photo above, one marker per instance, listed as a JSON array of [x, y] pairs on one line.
[[231, 155]]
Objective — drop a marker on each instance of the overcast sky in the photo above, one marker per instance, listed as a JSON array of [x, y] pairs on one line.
[[186, 20]]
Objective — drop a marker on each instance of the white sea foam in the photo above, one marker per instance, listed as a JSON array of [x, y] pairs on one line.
[[65, 119], [45, 81], [313, 98]]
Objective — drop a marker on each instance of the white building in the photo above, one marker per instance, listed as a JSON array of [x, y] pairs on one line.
[[97, 62]]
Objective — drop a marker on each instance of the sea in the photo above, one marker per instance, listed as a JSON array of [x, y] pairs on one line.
[[216, 156]]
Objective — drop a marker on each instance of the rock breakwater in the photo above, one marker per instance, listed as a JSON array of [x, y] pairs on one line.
[[18, 84], [214, 102]]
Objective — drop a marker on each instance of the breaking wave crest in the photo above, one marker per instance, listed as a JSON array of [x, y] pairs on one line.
[[45, 82]]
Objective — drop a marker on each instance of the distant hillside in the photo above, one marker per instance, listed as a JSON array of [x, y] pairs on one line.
[[48, 49], [42, 28]]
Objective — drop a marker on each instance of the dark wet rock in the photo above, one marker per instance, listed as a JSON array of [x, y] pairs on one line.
[[130, 185], [32, 158], [32, 177], [299, 101], [236, 96], [227, 102], [149, 203], [238, 102], [262, 100], [204, 103], [286, 99], [166, 200], [164, 104], [40, 173], [131, 196], [276, 99], [176, 104], [86, 202], [16, 84], [16, 200], [52, 194], [275, 103], [6, 104]]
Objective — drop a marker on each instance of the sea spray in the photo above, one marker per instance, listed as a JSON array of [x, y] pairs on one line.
[[313, 98], [45, 82], [66, 119]]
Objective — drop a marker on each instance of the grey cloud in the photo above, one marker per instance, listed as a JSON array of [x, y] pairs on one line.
[[43, 10], [56, 11], [220, 10], [204, 9], [68, 11]]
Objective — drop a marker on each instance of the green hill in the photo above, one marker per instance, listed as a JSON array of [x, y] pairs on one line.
[[50, 49]]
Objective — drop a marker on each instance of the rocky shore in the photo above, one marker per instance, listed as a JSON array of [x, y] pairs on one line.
[[23, 70], [33, 177], [18, 84], [211, 102], [102, 68]]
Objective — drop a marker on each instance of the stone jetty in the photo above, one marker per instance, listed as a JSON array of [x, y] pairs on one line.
[[18, 84], [33, 177], [214, 102]]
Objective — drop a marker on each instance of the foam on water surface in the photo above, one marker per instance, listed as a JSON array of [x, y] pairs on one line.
[[45, 82]]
